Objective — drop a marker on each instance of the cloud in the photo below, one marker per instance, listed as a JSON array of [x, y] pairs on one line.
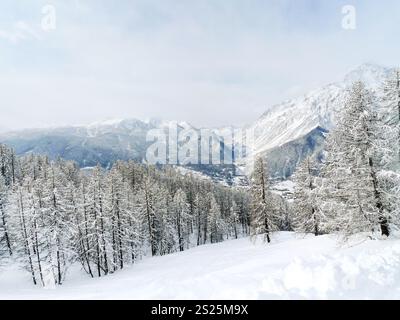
[[207, 62]]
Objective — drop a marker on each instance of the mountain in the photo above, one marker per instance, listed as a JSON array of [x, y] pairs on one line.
[[104, 143], [286, 133], [290, 131], [295, 118], [284, 159], [101, 143]]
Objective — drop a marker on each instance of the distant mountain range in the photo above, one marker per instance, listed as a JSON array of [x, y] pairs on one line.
[[286, 133]]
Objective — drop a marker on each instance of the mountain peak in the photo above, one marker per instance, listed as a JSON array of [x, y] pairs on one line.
[[370, 73]]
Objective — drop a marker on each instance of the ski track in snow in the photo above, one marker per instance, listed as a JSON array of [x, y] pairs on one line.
[[291, 267]]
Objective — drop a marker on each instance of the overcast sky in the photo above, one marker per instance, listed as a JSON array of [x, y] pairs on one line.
[[209, 62]]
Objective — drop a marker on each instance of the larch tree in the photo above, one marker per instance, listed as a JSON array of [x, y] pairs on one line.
[[217, 227], [307, 216], [390, 105], [353, 194], [262, 206], [52, 214], [181, 211], [5, 237]]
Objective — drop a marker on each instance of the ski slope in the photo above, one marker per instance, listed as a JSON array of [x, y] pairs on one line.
[[291, 267]]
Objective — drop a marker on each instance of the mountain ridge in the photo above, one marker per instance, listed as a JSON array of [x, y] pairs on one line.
[[278, 129]]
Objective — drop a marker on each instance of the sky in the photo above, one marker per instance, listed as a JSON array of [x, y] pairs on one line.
[[208, 62]]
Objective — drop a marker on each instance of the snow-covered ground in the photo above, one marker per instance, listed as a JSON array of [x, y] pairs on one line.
[[292, 267]]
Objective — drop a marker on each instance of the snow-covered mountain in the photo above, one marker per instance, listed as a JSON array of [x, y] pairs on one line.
[[293, 129], [295, 118], [285, 133], [101, 143]]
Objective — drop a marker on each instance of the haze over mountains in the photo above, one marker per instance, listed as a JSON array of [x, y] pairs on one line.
[[286, 133]]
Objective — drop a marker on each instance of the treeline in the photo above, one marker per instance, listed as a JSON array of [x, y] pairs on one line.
[[53, 214], [356, 189]]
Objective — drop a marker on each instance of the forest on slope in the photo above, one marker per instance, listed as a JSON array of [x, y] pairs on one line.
[[54, 215]]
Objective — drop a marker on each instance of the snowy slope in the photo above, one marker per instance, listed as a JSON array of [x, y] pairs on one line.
[[292, 267]]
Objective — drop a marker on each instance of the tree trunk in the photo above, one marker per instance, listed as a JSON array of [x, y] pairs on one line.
[[86, 250], [149, 222], [26, 240], [38, 255], [316, 231], [121, 256], [180, 240], [96, 227], [382, 220], [6, 236], [198, 227], [103, 239], [267, 230]]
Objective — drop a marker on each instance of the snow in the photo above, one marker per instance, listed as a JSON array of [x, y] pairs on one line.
[[108, 122], [292, 267], [284, 186]]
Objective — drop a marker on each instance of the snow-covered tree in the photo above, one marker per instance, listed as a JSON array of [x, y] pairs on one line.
[[217, 227], [390, 106], [180, 209], [307, 216], [235, 218], [7, 165], [52, 214], [5, 237], [352, 194], [263, 207]]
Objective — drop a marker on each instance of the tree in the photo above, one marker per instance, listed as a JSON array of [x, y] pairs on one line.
[[181, 215], [353, 194], [58, 210], [99, 221], [307, 216], [52, 214], [152, 212], [235, 218], [5, 238], [216, 225], [262, 216], [7, 165], [115, 204], [390, 105]]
